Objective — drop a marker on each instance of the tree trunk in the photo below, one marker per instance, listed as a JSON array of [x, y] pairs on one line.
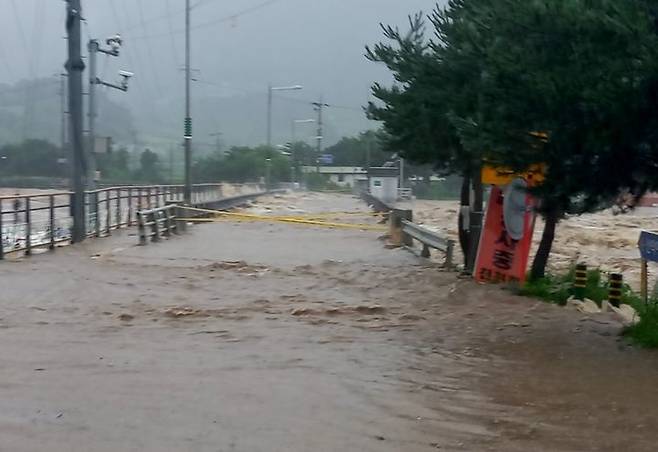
[[465, 202], [543, 253], [477, 214]]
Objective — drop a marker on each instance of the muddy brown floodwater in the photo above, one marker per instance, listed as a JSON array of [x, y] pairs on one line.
[[272, 337]]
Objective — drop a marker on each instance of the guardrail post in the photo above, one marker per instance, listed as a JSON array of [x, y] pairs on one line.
[[450, 253], [130, 206], [155, 226], [2, 235], [108, 212], [167, 231], [397, 236], [181, 225], [141, 228], [97, 220], [52, 221], [118, 208], [148, 198], [28, 228]]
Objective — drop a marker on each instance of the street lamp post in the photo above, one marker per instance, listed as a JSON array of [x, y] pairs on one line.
[[294, 127], [270, 92]]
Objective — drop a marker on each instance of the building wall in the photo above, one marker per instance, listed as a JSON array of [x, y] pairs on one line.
[[384, 188], [343, 180]]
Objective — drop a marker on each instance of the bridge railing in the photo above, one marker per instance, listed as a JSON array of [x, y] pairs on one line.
[[43, 220], [157, 223]]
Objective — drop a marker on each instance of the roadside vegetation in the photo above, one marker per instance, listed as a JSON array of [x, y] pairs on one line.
[[559, 288]]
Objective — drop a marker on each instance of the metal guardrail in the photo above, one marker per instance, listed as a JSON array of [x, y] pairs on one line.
[[41, 220], [377, 204], [429, 239], [154, 224]]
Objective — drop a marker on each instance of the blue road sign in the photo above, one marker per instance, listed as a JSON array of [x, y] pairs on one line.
[[649, 246], [326, 159]]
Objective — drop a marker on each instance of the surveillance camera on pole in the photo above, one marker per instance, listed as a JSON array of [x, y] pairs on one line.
[[126, 76], [114, 44]]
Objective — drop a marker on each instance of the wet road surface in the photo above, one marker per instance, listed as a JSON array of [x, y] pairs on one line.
[[243, 336]]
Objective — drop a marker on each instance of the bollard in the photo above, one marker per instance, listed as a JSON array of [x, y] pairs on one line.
[[615, 290], [580, 281]]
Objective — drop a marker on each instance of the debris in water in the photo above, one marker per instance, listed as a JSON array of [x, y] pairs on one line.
[[126, 317], [185, 311]]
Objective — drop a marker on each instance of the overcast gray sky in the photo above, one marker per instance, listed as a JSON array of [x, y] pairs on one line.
[[239, 46]]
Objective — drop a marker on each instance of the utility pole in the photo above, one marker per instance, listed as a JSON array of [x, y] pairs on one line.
[[62, 97], [171, 165], [75, 67], [270, 93], [319, 106], [188, 114], [94, 48], [269, 115]]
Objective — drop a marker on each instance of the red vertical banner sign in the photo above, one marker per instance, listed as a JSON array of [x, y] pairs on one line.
[[502, 259]]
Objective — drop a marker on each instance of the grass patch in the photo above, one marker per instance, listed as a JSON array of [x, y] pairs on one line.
[[558, 288], [645, 332]]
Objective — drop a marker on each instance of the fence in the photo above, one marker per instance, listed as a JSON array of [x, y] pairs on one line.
[[156, 223], [44, 219]]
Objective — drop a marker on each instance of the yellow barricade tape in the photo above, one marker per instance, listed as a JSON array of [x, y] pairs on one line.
[[279, 219]]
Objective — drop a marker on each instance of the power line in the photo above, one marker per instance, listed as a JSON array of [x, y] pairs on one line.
[[308, 102], [140, 87], [174, 50], [21, 31], [229, 18], [164, 16], [3, 57], [149, 51], [199, 3]]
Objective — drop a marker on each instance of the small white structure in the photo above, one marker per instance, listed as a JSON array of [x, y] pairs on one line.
[[384, 183], [343, 176]]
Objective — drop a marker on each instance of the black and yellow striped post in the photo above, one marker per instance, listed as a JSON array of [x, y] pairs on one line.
[[580, 281], [615, 290]]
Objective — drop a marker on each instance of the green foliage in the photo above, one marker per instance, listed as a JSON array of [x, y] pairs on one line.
[[558, 288], [645, 332], [244, 164], [443, 190], [585, 73], [32, 158], [114, 165], [316, 182], [149, 167], [360, 150]]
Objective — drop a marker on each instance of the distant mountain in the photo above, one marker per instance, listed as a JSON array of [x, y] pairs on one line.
[[32, 110]]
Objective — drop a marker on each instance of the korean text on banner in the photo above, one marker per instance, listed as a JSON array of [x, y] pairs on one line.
[[500, 258]]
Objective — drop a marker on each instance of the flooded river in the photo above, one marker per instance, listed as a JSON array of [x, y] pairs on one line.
[[257, 336]]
